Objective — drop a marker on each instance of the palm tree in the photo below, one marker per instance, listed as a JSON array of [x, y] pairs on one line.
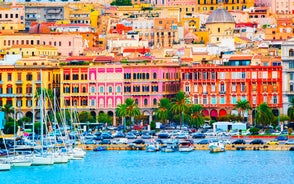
[[196, 114], [264, 115], [128, 109], [291, 109], [179, 106], [132, 109], [162, 113], [243, 105], [8, 110]]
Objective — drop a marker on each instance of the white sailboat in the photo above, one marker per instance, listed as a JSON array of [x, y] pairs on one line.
[[4, 165], [43, 158]]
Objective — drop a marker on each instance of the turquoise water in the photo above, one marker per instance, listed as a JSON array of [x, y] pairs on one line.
[[167, 168]]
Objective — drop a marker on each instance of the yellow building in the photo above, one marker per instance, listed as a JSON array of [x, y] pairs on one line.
[[220, 25], [191, 23], [20, 81], [33, 50], [203, 36], [205, 6]]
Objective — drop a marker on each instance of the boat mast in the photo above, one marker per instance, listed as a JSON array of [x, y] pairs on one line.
[[41, 110], [54, 113], [14, 124], [33, 104]]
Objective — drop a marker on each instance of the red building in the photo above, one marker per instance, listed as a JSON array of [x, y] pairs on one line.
[[218, 88]]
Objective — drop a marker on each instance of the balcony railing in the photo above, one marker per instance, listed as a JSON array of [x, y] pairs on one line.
[[222, 92]]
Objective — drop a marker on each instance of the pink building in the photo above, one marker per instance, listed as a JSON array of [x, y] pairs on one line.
[[148, 82], [173, 2], [262, 3], [282, 6]]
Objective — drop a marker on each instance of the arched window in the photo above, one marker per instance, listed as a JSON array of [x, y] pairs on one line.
[[291, 52], [110, 89], [118, 89], [291, 86], [109, 102], [154, 101], [118, 101], [92, 76], [145, 102], [136, 101], [154, 75]]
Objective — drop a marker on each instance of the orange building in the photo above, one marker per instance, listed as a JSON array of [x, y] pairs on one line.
[[218, 87]]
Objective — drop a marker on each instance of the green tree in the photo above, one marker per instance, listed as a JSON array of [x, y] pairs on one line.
[[195, 112], [291, 109], [85, 116], [129, 109], [264, 115], [243, 106], [9, 128], [179, 106], [105, 118], [8, 111], [162, 112]]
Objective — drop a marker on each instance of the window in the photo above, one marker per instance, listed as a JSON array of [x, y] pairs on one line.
[[196, 100], [275, 100], [75, 77], [264, 75], [93, 102], [222, 88], [243, 87], [291, 64], [222, 100], [29, 77], [218, 30], [187, 88], [9, 90], [84, 89], [29, 103], [154, 101], [19, 76], [145, 102], [204, 88], [265, 99], [291, 76], [195, 87], [101, 89], [93, 89], [254, 100], [291, 52], [233, 100], [212, 87], [254, 75], [18, 103], [205, 100], [234, 87], [9, 76], [275, 75], [118, 89], [109, 89], [222, 75], [213, 100]]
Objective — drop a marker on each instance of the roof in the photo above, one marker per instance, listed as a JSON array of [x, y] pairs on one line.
[[103, 59], [241, 58], [80, 58], [220, 15]]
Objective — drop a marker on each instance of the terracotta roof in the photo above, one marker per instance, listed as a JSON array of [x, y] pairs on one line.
[[103, 58], [240, 58], [140, 50], [80, 58]]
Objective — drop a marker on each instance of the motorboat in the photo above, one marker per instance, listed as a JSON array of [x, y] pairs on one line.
[[170, 146], [153, 147], [186, 146], [4, 165], [216, 147], [20, 161], [43, 159]]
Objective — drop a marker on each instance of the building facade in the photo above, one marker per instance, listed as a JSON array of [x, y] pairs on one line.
[[218, 88]]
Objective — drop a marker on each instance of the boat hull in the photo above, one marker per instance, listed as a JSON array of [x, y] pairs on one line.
[[186, 149], [5, 167], [43, 161], [20, 163]]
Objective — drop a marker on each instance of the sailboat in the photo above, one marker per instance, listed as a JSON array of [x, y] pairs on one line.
[[18, 159], [4, 164], [42, 158]]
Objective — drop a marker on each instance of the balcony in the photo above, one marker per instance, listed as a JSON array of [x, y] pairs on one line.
[[18, 82], [222, 92], [7, 95], [204, 92]]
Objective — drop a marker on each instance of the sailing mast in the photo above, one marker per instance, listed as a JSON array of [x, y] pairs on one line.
[[41, 110]]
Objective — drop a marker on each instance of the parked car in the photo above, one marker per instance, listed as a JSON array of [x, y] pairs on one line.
[[204, 141], [131, 136], [282, 138], [289, 142], [139, 141], [273, 142], [198, 136], [239, 141], [182, 136], [146, 136], [90, 141], [106, 135], [257, 141], [105, 141], [163, 136], [119, 135]]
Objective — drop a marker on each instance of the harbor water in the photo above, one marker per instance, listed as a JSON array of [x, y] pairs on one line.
[[133, 167]]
